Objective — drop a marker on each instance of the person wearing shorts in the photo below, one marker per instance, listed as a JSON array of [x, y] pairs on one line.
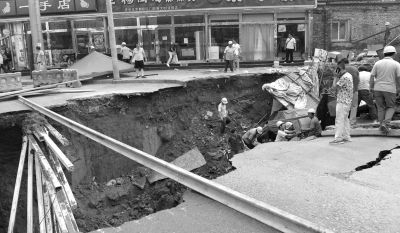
[[139, 57]]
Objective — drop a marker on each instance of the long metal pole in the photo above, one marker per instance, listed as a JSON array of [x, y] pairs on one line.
[[36, 26], [267, 214], [113, 43]]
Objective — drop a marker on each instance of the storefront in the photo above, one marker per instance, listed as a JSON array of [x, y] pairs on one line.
[[200, 29]]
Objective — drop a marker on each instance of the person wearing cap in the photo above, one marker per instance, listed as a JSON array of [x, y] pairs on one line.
[[250, 137], [126, 53], [223, 114], [343, 84], [229, 56], [314, 129], [286, 131], [384, 84], [40, 57], [387, 33], [364, 93]]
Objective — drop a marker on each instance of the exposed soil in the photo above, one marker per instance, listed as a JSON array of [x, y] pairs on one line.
[[165, 124]]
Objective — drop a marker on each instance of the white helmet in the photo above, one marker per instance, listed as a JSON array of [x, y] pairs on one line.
[[230, 42], [311, 110], [389, 49], [387, 24], [123, 43], [279, 123], [224, 100], [259, 129]]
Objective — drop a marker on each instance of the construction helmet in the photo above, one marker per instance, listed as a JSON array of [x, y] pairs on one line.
[[279, 123], [389, 49], [311, 110], [259, 129], [224, 100]]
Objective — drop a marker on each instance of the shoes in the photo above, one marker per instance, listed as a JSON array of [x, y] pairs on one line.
[[384, 129], [167, 64], [292, 62], [142, 76], [137, 76], [347, 140], [336, 142]]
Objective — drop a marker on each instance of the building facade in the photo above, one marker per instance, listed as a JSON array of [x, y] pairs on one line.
[[201, 29], [355, 25]]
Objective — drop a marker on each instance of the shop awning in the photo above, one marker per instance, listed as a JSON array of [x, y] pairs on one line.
[[97, 64]]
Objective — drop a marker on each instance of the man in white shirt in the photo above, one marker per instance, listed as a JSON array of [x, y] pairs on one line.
[[290, 47], [139, 56], [126, 53], [229, 56], [223, 114], [364, 93], [238, 51]]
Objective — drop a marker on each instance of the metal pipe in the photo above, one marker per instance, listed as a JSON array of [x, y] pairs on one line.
[[267, 214], [113, 43]]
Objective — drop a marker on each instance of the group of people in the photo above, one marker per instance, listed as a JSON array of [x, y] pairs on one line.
[[137, 56], [351, 86], [232, 55], [254, 136]]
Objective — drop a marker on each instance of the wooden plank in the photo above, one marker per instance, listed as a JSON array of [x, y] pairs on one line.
[[29, 202], [56, 206], [60, 155], [45, 164], [60, 138], [39, 193], [365, 132], [47, 206], [14, 205], [64, 182]]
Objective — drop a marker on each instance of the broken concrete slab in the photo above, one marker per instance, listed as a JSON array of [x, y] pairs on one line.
[[189, 161], [360, 132]]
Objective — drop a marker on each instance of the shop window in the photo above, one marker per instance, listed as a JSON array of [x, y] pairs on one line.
[[220, 35], [189, 19], [60, 40], [95, 23], [59, 25], [191, 43], [339, 30], [126, 22], [160, 20], [224, 18], [129, 36]]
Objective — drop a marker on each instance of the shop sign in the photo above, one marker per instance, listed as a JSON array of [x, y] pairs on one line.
[[7, 8], [164, 5], [21, 7]]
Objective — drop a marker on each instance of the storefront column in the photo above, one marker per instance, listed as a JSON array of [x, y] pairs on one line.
[[173, 40], [73, 35], [310, 29], [207, 36], [276, 52], [140, 32]]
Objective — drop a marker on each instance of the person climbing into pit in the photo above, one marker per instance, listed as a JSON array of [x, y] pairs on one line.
[[223, 114], [313, 130], [126, 53], [250, 137], [286, 131], [385, 76]]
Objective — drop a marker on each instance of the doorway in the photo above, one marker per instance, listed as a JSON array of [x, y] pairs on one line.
[[164, 42], [298, 32]]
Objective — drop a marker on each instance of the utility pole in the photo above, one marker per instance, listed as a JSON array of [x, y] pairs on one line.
[[36, 27], [113, 43]]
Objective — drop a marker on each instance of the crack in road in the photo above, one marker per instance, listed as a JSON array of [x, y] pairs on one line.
[[382, 156]]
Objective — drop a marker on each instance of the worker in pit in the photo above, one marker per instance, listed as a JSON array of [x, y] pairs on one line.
[[286, 131], [223, 114], [250, 137], [313, 130]]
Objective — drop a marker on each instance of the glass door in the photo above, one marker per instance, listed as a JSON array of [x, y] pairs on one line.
[[149, 44], [164, 42]]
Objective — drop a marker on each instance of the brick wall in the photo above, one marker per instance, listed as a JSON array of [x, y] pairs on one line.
[[363, 19]]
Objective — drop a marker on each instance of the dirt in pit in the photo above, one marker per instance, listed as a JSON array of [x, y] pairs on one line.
[[165, 124]]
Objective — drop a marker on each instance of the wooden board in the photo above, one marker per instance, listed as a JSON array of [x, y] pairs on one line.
[[189, 161]]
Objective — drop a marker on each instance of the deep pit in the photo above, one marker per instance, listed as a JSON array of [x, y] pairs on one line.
[[166, 124]]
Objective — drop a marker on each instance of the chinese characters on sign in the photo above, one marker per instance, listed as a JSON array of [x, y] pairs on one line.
[[160, 5], [21, 8]]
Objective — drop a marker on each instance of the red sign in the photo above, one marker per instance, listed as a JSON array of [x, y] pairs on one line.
[[7, 8], [85, 5]]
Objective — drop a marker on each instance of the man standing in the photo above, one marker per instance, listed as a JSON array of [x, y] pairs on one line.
[[238, 51], [364, 93], [139, 56], [290, 47], [173, 57], [229, 56], [387, 33], [356, 80], [249, 138], [40, 57], [343, 83], [126, 53], [223, 114], [384, 77], [314, 129]]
